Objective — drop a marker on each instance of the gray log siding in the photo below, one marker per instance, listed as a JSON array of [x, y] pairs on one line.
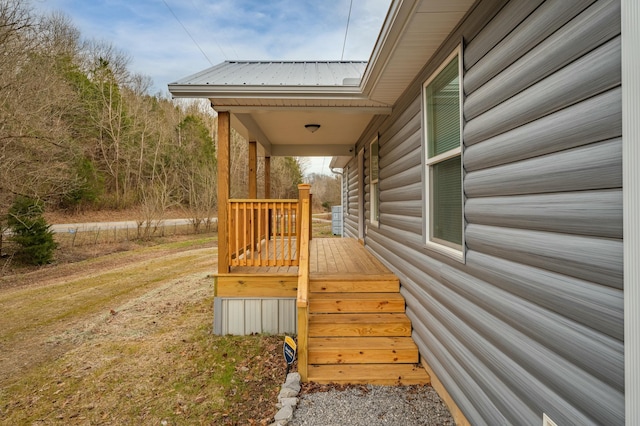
[[596, 25], [590, 75], [538, 26], [509, 16], [596, 119], [351, 216], [592, 213], [532, 321], [571, 170]]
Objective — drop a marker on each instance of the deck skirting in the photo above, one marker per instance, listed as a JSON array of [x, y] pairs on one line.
[[247, 315]]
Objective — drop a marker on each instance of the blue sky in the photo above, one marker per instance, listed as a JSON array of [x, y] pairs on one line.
[[224, 29]]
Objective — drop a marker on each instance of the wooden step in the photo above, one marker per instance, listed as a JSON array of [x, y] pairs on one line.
[[374, 374], [361, 350], [350, 283], [354, 325], [356, 302]]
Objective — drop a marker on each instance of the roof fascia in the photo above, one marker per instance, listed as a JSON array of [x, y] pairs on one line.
[[248, 109], [321, 92], [398, 17]]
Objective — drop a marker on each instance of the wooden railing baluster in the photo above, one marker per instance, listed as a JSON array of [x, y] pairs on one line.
[[252, 223]]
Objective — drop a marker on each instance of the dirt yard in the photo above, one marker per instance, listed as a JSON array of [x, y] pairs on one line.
[[125, 338]]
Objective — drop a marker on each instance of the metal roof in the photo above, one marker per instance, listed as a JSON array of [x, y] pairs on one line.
[[272, 101], [280, 73]]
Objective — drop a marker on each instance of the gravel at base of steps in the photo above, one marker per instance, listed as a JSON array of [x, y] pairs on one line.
[[371, 406]]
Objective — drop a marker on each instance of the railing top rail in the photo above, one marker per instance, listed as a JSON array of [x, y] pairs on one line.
[[263, 200]]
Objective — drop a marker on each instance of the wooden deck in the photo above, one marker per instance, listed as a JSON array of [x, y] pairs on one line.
[[357, 327], [327, 256], [342, 256]]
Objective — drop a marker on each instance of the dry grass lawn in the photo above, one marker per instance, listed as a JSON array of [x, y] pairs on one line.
[[126, 338]]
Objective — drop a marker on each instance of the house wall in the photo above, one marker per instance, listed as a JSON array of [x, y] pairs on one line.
[[350, 216], [532, 321]]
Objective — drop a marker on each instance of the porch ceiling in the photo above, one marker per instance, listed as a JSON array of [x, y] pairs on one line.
[[271, 102]]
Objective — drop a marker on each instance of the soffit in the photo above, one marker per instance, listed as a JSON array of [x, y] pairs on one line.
[[412, 33]]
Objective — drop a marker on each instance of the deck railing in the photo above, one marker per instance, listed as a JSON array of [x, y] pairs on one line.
[[263, 232], [302, 302]]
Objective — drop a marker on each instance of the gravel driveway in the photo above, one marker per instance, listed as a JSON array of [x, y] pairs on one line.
[[372, 406]]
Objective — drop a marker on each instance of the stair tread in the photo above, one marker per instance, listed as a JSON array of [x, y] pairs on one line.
[[356, 302], [351, 318], [315, 277], [384, 342], [362, 350], [355, 325], [356, 296], [382, 374], [354, 284]]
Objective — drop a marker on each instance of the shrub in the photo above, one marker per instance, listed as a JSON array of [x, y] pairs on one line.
[[31, 231]]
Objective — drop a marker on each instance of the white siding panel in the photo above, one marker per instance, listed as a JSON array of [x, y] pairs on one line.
[[270, 320], [234, 318], [287, 317], [242, 316], [252, 316]]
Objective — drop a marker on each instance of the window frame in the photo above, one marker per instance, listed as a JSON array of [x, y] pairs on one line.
[[374, 184], [444, 247]]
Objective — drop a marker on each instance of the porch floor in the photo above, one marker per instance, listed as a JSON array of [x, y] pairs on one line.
[[342, 256], [328, 256]]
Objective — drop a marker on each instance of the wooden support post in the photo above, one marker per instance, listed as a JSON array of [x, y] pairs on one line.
[[253, 167], [267, 191], [302, 299], [267, 177], [224, 165], [253, 190], [303, 194], [310, 216]]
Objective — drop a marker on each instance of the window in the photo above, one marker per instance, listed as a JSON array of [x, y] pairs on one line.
[[443, 131], [373, 183]]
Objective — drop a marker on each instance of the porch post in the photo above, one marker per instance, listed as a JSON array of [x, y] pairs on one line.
[[253, 192], [267, 177], [224, 163], [303, 194], [253, 167]]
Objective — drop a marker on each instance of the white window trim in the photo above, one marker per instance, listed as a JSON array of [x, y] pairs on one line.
[[374, 201], [457, 253]]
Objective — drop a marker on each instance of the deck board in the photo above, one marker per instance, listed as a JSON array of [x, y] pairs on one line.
[[335, 256], [327, 257]]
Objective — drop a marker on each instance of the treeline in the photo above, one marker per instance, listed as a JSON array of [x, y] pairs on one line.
[[79, 130]]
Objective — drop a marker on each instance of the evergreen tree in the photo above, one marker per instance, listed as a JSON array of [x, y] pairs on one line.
[[31, 231]]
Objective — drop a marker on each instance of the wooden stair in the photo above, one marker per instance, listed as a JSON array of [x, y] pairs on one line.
[[359, 332]]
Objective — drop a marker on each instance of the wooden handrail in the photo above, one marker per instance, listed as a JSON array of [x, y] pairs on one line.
[[252, 222], [302, 300]]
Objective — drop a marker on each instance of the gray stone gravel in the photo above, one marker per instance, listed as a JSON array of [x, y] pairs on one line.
[[371, 406]]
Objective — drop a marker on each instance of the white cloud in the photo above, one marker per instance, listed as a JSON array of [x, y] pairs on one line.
[[223, 29]]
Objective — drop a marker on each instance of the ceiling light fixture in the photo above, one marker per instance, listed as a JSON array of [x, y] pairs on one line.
[[312, 127]]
